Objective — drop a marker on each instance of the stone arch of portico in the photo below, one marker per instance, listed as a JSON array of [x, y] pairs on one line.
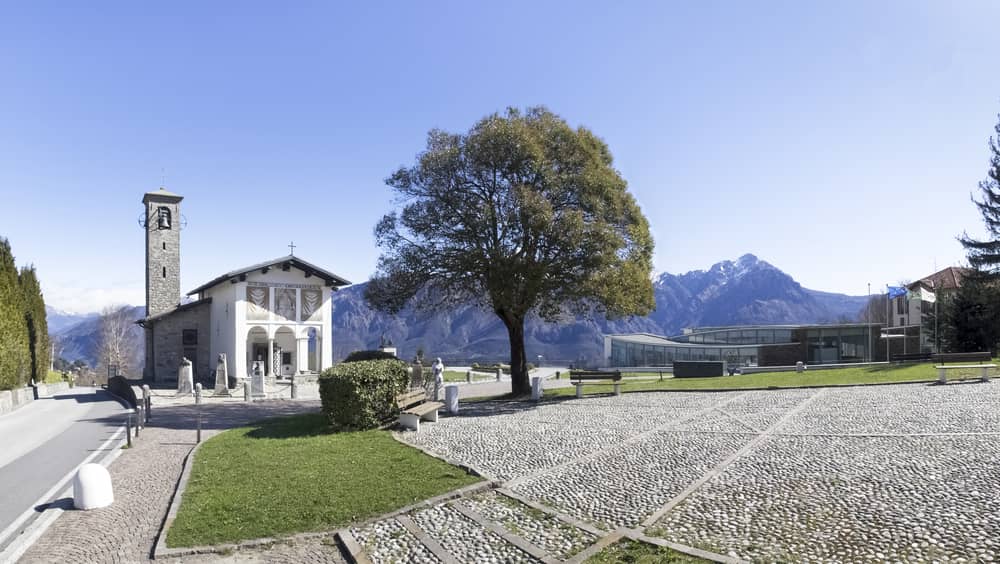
[[310, 343]]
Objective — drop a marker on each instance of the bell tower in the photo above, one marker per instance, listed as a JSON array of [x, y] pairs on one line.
[[162, 220]]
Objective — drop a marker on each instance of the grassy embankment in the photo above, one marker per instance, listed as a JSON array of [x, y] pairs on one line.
[[832, 377], [457, 376], [291, 475]]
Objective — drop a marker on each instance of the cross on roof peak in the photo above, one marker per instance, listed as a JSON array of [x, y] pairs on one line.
[[291, 248]]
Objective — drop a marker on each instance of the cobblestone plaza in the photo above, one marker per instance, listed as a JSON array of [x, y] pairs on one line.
[[900, 473], [882, 473]]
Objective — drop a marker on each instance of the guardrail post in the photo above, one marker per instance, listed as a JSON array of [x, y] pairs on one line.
[[197, 407], [128, 427], [146, 399]]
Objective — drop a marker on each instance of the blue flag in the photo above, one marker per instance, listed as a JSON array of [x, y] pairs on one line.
[[896, 291]]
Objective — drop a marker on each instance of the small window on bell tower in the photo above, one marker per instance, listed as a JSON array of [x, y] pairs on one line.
[[163, 217]]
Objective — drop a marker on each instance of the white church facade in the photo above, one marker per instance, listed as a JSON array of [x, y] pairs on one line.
[[276, 313]]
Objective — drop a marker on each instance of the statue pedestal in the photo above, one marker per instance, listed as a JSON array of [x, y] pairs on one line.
[[257, 381]]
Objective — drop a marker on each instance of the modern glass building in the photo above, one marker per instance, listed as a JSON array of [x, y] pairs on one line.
[[755, 345]]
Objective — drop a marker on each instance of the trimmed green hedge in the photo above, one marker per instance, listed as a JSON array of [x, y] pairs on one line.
[[362, 395], [368, 355]]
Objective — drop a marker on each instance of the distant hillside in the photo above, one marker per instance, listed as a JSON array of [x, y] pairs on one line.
[[80, 340], [745, 291], [58, 320]]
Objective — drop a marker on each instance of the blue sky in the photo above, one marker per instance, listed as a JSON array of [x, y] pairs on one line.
[[837, 140]]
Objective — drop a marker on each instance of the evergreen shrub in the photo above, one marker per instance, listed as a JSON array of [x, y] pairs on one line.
[[362, 395], [368, 355]]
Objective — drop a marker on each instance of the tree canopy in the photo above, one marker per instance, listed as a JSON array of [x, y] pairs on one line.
[[523, 214], [15, 362], [971, 319], [984, 255]]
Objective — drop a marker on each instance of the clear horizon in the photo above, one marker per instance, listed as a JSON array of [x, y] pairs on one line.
[[837, 141]]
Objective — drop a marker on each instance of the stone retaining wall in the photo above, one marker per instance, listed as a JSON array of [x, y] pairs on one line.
[[13, 399], [10, 400]]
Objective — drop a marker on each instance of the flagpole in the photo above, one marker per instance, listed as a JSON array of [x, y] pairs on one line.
[[888, 324], [937, 345]]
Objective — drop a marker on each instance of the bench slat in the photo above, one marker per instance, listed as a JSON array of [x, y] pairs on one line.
[[424, 408], [404, 401]]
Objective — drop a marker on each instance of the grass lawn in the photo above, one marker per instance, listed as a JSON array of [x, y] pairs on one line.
[[833, 377], [456, 376], [291, 475], [628, 551]]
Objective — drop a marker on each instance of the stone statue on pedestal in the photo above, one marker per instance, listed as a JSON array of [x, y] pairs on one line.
[[221, 376]]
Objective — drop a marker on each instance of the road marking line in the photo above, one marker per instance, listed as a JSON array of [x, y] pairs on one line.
[[15, 541]]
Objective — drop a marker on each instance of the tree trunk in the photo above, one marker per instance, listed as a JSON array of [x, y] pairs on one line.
[[519, 384]]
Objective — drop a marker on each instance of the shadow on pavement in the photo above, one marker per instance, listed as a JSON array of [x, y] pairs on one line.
[[86, 397], [64, 503]]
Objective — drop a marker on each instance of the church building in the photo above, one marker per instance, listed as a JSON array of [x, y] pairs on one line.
[[276, 313]]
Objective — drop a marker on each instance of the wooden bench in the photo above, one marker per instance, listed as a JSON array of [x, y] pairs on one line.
[[413, 406], [980, 357], [581, 375], [913, 357]]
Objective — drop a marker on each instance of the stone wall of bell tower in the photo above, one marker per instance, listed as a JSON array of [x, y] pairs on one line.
[[163, 251]]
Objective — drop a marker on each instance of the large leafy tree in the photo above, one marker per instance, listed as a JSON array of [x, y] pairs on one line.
[[523, 214]]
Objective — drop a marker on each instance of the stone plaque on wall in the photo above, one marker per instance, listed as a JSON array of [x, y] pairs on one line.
[[257, 303], [312, 302], [284, 303]]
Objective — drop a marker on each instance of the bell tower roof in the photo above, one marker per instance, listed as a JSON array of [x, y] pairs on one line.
[[161, 195]]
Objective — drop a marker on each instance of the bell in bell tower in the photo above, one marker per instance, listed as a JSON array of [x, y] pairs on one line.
[[162, 222]]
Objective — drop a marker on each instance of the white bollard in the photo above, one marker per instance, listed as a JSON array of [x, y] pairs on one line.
[[942, 378], [451, 398], [92, 487], [536, 388]]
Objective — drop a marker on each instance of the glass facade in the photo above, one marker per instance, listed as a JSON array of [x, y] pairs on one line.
[[626, 353], [823, 344], [738, 336]]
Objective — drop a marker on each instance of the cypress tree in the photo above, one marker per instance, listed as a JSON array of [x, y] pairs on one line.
[[38, 329], [14, 359]]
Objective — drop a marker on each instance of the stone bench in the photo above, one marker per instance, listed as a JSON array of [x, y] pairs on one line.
[[984, 370], [414, 407], [581, 375]]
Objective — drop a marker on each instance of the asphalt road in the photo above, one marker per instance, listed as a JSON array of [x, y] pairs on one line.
[[44, 441]]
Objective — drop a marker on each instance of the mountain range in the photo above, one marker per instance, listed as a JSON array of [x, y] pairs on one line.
[[745, 291]]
